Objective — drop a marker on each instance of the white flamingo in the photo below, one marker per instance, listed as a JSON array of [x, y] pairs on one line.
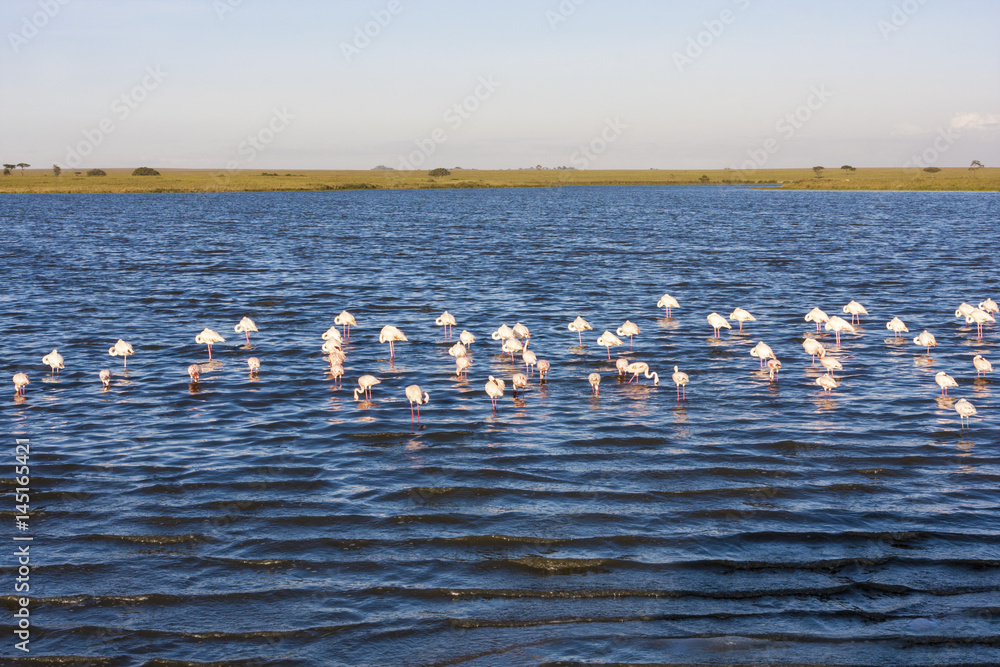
[[979, 317], [414, 395], [466, 338], [925, 339], [245, 326], [20, 380], [595, 383], [629, 329], [530, 359], [194, 372], [838, 324], [827, 383], [543, 369], [522, 333], [944, 381], [105, 376], [814, 348], [666, 301], [982, 364], [896, 326], [965, 411], [609, 340], [391, 334], [763, 352], [831, 365], [680, 379], [641, 367], [209, 338], [346, 320], [773, 366], [580, 325], [447, 320], [253, 363], [718, 322], [123, 350], [818, 316], [365, 384], [990, 306], [54, 360], [462, 366], [494, 389], [856, 310], [742, 316]]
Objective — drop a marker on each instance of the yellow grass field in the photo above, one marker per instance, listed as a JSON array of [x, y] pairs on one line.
[[194, 180]]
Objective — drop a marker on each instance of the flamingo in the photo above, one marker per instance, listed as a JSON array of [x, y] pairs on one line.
[[209, 337], [963, 310], [595, 383], [332, 335], [827, 383], [245, 326], [510, 346], [494, 389], [332, 348], [980, 317], [543, 369], [668, 302], [621, 365], [346, 320], [54, 360], [20, 379], [123, 350], [194, 372], [609, 340], [818, 316], [447, 320], [337, 373], [457, 350], [982, 365], [365, 384], [503, 333], [762, 351], [965, 411], [254, 364], [466, 338], [944, 381], [925, 339], [335, 355], [520, 331], [642, 367], [718, 321], [105, 376], [838, 324], [814, 348], [530, 359], [462, 366], [390, 334], [414, 395], [990, 306], [680, 379], [856, 310], [897, 327], [580, 325], [742, 316], [628, 329], [773, 366], [519, 381], [831, 365]]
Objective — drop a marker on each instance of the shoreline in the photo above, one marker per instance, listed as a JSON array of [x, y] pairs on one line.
[[188, 181]]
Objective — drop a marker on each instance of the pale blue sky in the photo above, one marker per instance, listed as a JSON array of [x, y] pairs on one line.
[[887, 80]]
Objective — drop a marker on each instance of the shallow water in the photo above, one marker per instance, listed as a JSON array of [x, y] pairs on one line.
[[274, 520]]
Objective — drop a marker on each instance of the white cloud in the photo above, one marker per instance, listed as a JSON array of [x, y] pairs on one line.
[[975, 121]]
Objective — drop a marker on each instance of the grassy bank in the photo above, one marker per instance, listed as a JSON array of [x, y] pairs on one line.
[[193, 180]]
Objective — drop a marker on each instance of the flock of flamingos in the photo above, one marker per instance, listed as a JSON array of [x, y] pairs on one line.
[[516, 339]]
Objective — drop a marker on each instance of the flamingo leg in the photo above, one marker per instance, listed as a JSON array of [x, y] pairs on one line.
[[411, 413], [209, 351], [609, 353], [248, 336]]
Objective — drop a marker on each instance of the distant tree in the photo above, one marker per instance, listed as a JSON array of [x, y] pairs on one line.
[[976, 164], [96, 172], [7, 168], [56, 169], [440, 171], [818, 171], [848, 167], [22, 166], [931, 170], [704, 178], [145, 171]]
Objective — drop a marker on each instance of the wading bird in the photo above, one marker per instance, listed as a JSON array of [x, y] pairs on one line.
[[595, 383], [543, 369], [123, 350], [680, 379], [580, 325], [629, 329], [530, 359], [494, 389], [365, 384], [457, 350], [414, 395], [666, 301], [105, 376], [827, 383], [521, 333], [982, 365], [830, 364], [466, 338], [20, 379], [838, 324], [54, 360], [718, 322], [990, 306], [390, 334], [346, 320], [963, 310], [979, 317], [337, 373], [856, 310], [462, 366], [773, 366], [194, 372], [245, 326], [519, 381], [609, 340], [813, 348], [742, 316], [447, 320], [965, 411], [254, 364], [641, 367], [209, 338], [944, 381], [896, 326], [763, 352], [621, 365], [925, 339], [332, 335], [818, 316], [510, 346]]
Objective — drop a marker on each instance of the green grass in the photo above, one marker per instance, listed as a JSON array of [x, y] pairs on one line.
[[192, 180]]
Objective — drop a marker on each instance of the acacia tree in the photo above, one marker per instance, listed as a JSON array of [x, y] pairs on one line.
[[56, 169], [7, 168], [22, 165], [976, 164]]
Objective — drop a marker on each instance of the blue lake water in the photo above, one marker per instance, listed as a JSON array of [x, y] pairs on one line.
[[276, 521]]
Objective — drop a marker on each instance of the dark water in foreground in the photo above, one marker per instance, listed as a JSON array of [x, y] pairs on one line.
[[280, 522]]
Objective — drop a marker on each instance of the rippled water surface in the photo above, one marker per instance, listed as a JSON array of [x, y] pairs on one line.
[[274, 520]]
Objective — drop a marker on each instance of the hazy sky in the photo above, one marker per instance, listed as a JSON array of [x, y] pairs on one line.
[[256, 84]]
